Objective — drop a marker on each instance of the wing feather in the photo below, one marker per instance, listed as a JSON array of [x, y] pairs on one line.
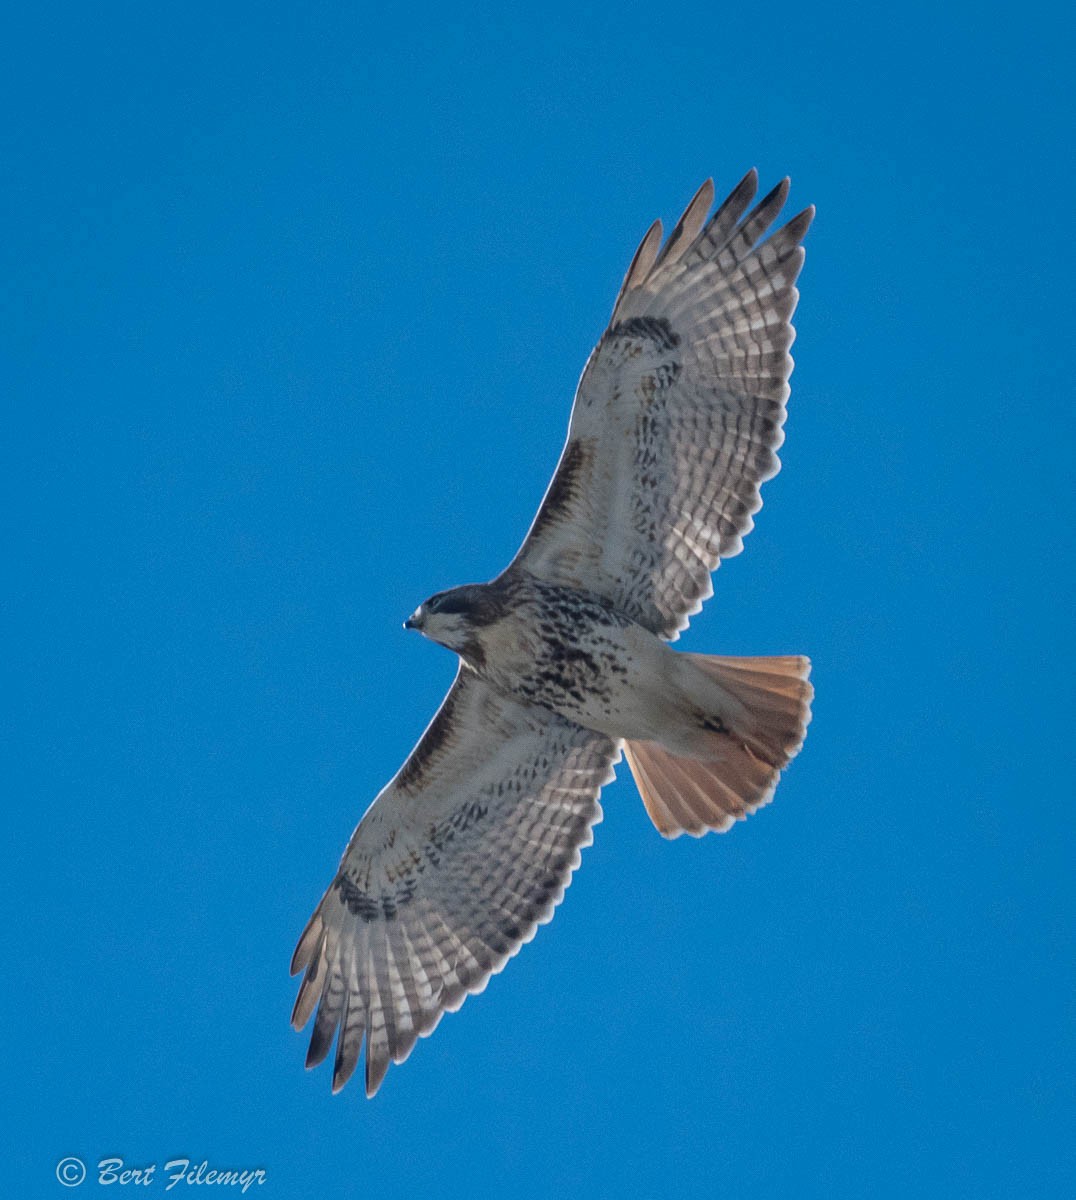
[[643, 260], [688, 228], [450, 871], [349, 1040], [679, 414]]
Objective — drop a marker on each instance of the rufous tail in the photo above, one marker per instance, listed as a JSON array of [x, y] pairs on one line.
[[743, 761]]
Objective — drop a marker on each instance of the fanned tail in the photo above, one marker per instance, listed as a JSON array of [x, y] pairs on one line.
[[737, 772]]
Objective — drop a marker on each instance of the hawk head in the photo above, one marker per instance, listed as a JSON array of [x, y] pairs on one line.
[[454, 618]]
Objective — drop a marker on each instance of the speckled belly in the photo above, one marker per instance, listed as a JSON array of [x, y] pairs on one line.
[[590, 664]]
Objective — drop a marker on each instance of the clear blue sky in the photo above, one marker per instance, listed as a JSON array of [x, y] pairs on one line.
[[294, 306]]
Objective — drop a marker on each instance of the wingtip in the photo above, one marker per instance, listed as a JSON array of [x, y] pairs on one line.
[[306, 946], [801, 222], [374, 1078], [740, 197], [780, 189], [318, 1050], [341, 1075], [644, 258]]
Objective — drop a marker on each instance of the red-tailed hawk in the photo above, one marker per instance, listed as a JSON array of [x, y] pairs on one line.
[[564, 657]]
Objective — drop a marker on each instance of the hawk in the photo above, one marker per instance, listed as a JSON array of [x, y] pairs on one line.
[[564, 658]]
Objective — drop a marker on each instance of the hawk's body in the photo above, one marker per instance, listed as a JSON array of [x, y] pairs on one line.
[[568, 651], [564, 657], [572, 652]]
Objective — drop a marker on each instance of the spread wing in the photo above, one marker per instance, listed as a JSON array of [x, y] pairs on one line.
[[678, 415], [450, 871]]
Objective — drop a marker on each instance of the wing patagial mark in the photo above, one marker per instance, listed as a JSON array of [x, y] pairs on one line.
[[566, 482], [436, 739]]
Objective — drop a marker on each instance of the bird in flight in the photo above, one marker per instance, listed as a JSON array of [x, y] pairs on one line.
[[564, 658]]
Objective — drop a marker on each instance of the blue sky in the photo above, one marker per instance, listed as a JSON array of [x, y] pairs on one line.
[[295, 306]]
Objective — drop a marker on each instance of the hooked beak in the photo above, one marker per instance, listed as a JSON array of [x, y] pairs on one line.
[[414, 621]]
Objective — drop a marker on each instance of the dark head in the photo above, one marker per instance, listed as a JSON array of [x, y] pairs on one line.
[[453, 618]]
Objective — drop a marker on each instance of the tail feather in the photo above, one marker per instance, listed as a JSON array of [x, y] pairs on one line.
[[775, 696], [741, 767]]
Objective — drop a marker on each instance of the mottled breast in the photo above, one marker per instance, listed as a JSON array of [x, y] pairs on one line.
[[564, 649]]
